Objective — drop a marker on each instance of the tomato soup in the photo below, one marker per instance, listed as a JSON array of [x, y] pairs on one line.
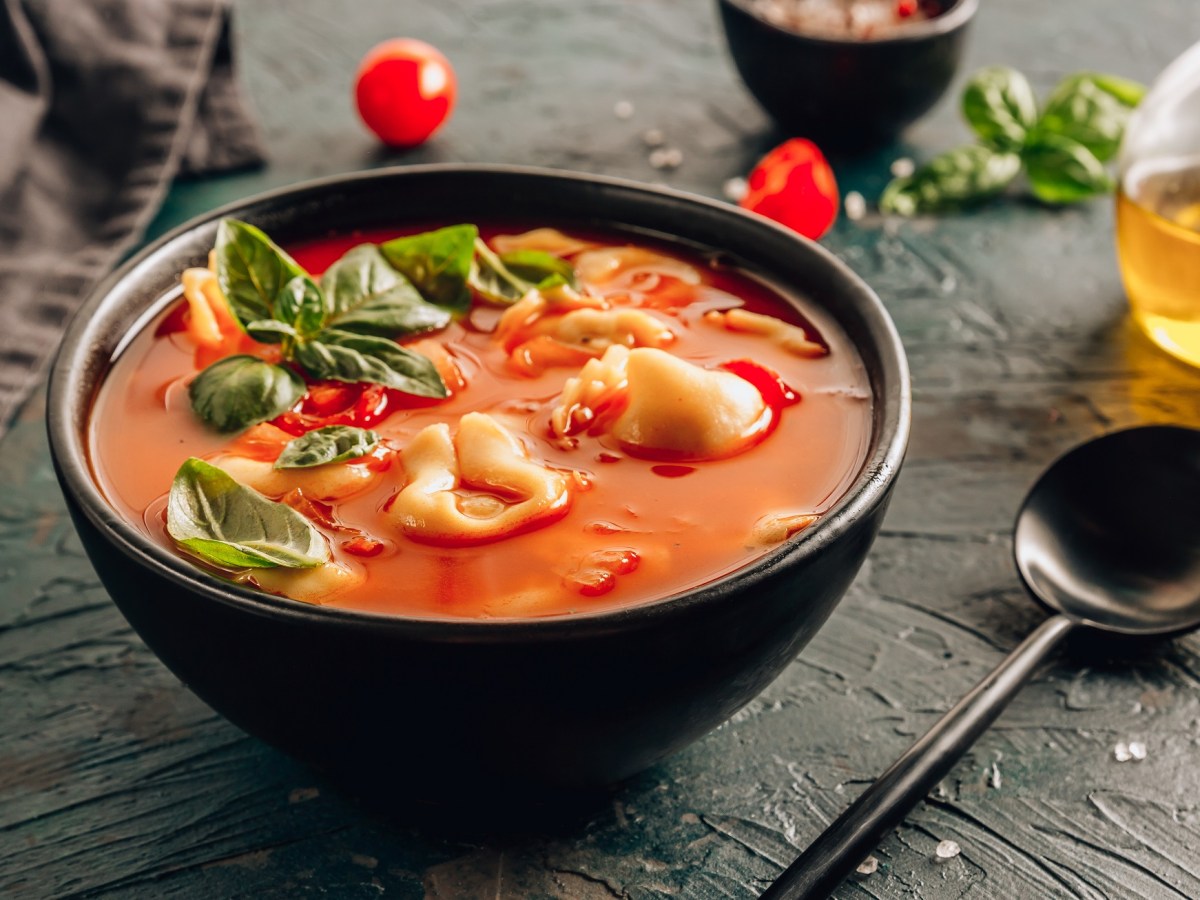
[[584, 421]]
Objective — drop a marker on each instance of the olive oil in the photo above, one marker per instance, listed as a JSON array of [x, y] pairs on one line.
[[1158, 243]]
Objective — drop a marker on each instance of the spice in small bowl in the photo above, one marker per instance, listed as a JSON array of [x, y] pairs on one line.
[[860, 20], [847, 74]]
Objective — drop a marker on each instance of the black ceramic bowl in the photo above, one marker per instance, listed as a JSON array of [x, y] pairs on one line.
[[446, 707], [841, 92]]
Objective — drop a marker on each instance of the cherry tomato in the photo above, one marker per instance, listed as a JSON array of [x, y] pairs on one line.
[[405, 90], [794, 185]]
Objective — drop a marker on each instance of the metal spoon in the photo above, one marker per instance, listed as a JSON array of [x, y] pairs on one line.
[[1109, 539]]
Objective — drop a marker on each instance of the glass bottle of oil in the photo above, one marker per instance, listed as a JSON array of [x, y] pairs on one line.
[[1158, 210]]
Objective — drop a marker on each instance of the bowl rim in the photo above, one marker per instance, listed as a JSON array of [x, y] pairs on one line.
[[957, 16], [68, 441]]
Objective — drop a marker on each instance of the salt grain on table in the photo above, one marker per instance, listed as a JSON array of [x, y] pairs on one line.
[[868, 866], [856, 206], [1137, 750], [735, 189], [653, 137], [666, 158], [947, 850]]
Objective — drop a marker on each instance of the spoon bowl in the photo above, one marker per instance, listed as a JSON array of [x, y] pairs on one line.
[[1103, 537], [1109, 539]]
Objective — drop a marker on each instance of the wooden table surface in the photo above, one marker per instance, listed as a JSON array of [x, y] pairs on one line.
[[116, 782]]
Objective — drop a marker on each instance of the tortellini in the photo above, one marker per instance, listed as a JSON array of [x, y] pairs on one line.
[[625, 267], [476, 487], [316, 585], [652, 402], [334, 481], [564, 327], [791, 338]]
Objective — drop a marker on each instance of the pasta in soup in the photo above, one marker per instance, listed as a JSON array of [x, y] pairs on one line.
[[502, 423]]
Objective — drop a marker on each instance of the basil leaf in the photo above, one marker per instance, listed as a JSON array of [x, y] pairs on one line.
[[438, 263], [998, 103], [343, 356], [330, 444], [251, 270], [234, 527], [302, 305], [952, 180], [239, 391], [269, 331], [554, 281], [537, 266], [1090, 111], [507, 277], [1063, 171], [492, 279], [1127, 92], [368, 296]]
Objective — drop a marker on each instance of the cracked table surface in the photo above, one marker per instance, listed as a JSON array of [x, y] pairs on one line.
[[115, 781]]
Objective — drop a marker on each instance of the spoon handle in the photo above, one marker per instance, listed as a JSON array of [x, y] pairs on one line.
[[857, 831]]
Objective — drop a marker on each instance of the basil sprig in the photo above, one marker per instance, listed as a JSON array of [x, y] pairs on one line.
[[333, 330], [333, 443], [953, 179], [1062, 147], [342, 328], [234, 527]]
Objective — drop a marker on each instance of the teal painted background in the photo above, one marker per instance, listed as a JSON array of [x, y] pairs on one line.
[[116, 782]]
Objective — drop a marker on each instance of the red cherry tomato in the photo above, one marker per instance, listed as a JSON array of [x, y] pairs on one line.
[[794, 185], [405, 90]]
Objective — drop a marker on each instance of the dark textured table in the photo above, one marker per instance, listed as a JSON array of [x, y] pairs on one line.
[[116, 782]]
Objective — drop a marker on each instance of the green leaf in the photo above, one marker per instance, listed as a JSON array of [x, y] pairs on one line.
[[1128, 92], [333, 443], [438, 263], [251, 270], [270, 331], [1089, 110], [239, 391], [233, 527], [537, 266], [1061, 170], [998, 103], [303, 306], [492, 280], [951, 181], [343, 356], [507, 277], [368, 296]]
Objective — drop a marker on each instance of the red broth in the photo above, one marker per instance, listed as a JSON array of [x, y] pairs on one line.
[[642, 530]]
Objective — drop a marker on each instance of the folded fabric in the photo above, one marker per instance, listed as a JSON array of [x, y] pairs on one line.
[[102, 102]]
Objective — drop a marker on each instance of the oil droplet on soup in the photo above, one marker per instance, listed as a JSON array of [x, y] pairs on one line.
[[624, 518]]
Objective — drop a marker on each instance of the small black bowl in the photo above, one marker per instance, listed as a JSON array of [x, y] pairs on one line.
[[439, 708], [844, 93]]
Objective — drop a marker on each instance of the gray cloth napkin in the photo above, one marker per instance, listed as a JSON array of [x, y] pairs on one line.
[[102, 103]]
